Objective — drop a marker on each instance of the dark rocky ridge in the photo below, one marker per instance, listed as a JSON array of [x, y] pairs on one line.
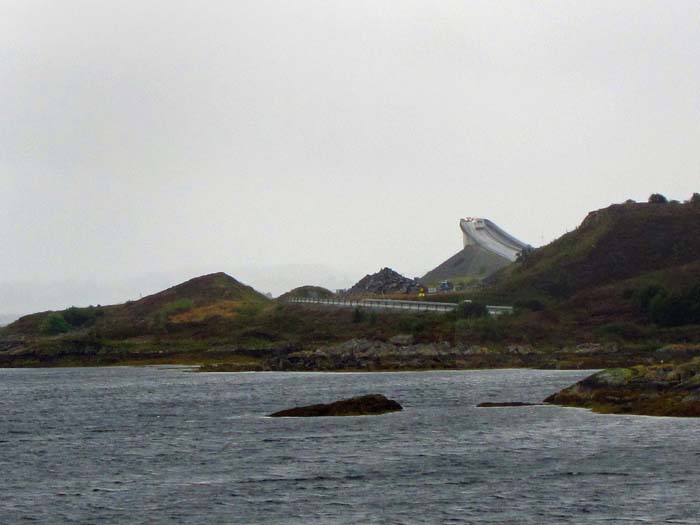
[[373, 404], [385, 281]]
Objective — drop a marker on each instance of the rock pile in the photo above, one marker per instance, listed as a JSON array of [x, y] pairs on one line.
[[385, 281]]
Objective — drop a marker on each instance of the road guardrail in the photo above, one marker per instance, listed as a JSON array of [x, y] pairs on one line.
[[394, 304]]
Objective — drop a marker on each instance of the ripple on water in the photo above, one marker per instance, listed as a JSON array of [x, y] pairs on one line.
[[154, 445]]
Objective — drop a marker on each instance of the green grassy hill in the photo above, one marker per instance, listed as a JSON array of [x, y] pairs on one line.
[[200, 299], [628, 273], [307, 292], [620, 242]]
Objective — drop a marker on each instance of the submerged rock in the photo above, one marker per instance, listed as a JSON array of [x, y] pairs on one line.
[[661, 390], [374, 404]]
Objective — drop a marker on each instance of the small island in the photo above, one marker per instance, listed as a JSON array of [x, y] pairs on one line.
[[661, 390], [370, 405]]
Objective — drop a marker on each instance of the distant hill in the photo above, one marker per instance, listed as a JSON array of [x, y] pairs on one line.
[[213, 295], [616, 243], [472, 262], [307, 292], [202, 291]]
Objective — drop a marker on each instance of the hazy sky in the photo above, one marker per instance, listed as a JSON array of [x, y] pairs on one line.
[[287, 142]]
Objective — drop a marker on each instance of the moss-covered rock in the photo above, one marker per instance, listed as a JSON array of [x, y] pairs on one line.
[[662, 390]]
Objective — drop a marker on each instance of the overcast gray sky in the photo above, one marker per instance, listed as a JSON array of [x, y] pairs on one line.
[[145, 142]]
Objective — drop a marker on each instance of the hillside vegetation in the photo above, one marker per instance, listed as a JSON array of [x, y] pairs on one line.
[[621, 286], [613, 244], [630, 273], [210, 296]]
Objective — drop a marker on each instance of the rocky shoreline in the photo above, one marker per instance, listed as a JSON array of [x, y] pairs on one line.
[[660, 390], [397, 353], [402, 352]]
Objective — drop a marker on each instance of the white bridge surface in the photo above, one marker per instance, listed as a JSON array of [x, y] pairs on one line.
[[488, 235], [392, 304]]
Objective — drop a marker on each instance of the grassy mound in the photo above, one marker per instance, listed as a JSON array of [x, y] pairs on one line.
[[199, 299], [307, 292]]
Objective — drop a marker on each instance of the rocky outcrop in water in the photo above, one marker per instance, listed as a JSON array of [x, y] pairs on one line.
[[661, 390], [385, 281], [370, 405]]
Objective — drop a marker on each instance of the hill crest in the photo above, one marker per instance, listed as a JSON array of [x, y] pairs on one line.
[[203, 289], [307, 292], [193, 295], [611, 244]]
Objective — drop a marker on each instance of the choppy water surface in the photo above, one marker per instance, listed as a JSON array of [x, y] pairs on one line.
[[155, 445]]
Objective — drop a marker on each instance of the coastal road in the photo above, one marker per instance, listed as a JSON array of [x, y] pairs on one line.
[[390, 304]]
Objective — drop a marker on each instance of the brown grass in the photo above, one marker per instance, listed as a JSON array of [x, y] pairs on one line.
[[223, 309]]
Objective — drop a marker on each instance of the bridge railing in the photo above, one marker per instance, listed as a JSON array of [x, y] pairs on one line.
[[394, 304]]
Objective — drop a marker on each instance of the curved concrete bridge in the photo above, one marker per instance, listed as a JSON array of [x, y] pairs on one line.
[[485, 233]]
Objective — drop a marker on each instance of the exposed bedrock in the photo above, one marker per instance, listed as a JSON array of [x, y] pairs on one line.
[[660, 390], [369, 405]]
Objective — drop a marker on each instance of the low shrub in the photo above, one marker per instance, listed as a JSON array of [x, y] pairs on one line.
[[644, 296], [54, 324], [471, 310], [670, 309], [622, 332], [534, 305], [482, 329], [657, 198], [78, 317], [358, 315], [176, 307], [372, 318], [676, 309], [412, 325]]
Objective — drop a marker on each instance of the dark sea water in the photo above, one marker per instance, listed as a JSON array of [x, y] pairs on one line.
[[159, 445]]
